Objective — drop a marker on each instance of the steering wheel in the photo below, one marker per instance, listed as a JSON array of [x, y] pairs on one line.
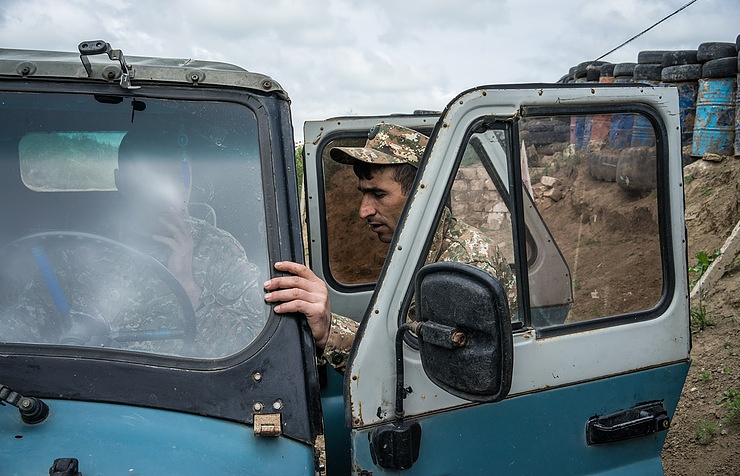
[[82, 327]]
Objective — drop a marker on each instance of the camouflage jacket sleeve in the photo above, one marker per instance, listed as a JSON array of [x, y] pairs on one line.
[[232, 311], [455, 240], [341, 337]]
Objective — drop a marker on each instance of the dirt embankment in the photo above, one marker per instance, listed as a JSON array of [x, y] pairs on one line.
[[702, 439]]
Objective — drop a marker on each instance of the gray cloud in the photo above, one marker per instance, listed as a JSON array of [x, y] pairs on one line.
[[336, 57]]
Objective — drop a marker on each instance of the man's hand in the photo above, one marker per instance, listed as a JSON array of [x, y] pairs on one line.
[[180, 262], [303, 292]]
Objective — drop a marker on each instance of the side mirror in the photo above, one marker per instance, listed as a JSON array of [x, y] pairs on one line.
[[465, 334], [466, 345]]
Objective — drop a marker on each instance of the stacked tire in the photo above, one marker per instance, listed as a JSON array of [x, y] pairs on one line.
[[715, 123], [682, 70]]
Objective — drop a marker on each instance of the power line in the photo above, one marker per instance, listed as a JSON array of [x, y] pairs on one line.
[[646, 30]]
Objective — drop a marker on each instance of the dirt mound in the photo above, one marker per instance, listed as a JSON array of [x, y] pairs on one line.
[[702, 440]]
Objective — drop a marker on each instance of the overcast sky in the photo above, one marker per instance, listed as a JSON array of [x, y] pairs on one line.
[[348, 57]]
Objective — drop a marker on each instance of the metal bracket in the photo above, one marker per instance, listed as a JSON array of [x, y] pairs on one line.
[[268, 424], [97, 47]]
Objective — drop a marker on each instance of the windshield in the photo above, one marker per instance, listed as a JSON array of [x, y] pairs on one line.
[[131, 224]]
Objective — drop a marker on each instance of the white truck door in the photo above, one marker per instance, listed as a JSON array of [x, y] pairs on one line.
[[598, 339]]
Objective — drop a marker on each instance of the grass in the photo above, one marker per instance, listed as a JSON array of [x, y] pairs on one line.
[[706, 431], [730, 401], [700, 320], [703, 261]]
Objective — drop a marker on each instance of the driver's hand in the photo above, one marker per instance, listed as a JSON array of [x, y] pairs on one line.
[[180, 243], [302, 292]]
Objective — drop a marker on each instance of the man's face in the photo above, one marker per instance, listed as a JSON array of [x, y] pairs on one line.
[[382, 203], [154, 190]]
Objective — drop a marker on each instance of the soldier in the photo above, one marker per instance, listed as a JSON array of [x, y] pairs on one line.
[[118, 293], [386, 168]]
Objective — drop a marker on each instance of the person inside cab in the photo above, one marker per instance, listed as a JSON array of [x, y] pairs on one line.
[[118, 293]]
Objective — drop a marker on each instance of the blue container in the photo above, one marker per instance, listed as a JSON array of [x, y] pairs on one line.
[[687, 93], [642, 132], [714, 127], [620, 130], [737, 115], [583, 132]]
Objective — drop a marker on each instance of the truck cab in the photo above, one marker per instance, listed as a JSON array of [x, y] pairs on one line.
[[133, 333]]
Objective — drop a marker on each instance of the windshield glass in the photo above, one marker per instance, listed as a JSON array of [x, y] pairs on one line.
[[133, 224]]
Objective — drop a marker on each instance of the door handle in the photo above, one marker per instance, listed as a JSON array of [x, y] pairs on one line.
[[641, 420]]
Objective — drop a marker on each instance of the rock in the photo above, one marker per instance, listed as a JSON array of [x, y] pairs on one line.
[[548, 181], [713, 157], [554, 194]]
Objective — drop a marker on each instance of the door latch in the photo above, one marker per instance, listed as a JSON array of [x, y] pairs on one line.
[[641, 420]]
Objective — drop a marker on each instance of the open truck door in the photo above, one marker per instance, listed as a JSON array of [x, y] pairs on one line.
[[583, 370]]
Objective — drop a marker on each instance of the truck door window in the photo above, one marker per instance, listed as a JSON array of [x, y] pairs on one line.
[[356, 255], [475, 226], [592, 179]]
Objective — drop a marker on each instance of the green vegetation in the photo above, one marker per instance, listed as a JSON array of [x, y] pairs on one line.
[[703, 261], [706, 431], [730, 401], [705, 375], [699, 318], [299, 165]]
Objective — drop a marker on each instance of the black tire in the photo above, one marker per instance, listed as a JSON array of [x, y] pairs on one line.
[[580, 71], [737, 44], [636, 168], [651, 57], [675, 58], [624, 69], [681, 73], [607, 69], [719, 68], [593, 73], [602, 166], [714, 50], [648, 71]]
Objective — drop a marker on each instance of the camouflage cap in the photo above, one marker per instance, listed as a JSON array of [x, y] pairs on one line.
[[386, 144]]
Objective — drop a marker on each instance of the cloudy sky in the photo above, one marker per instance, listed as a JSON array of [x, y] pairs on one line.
[[344, 57]]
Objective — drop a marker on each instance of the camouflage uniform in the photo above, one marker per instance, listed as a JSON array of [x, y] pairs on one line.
[[387, 144], [99, 280], [453, 240]]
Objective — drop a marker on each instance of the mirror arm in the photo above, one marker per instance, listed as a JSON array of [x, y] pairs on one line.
[[400, 390]]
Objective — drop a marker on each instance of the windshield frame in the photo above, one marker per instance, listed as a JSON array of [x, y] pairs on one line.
[[224, 387]]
